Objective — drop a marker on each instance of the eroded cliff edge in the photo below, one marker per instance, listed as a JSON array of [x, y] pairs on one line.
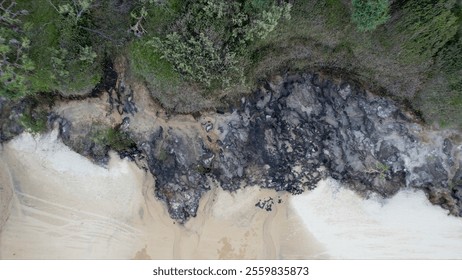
[[288, 135]]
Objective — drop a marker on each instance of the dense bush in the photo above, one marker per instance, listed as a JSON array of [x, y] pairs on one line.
[[210, 37], [15, 63], [426, 26], [368, 14], [62, 45], [146, 64], [195, 54], [66, 40], [450, 58]]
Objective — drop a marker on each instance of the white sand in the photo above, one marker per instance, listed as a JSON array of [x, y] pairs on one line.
[[405, 226], [64, 206], [58, 205]]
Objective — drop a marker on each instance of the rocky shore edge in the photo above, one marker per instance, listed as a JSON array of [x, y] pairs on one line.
[[289, 134]]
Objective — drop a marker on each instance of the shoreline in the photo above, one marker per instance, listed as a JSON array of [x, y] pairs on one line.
[[288, 135], [112, 213], [84, 219]]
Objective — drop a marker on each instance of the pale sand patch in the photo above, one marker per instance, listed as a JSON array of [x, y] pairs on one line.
[[6, 193], [230, 227], [65, 207], [56, 204], [406, 226]]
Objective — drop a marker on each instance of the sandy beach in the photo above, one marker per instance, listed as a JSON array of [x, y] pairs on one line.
[[56, 204], [407, 226], [59, 205]]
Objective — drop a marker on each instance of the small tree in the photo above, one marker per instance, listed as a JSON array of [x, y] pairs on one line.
[[368, 14]]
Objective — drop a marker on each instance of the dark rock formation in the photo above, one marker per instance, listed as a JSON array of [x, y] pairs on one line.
[[265, 204], [180, 165], [10, 114], [287, 136], [291, 135]]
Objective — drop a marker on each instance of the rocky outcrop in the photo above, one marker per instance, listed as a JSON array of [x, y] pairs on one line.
[[10, 118], [288, 135]]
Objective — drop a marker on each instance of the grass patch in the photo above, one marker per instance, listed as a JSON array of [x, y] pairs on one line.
[[336, 13], [149, 65], [34, 122], [113, 138]]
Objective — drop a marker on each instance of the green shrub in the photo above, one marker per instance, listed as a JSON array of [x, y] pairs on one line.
[[206, 43], [14, 46], [450, 59], [426, 26], [113, 138], [149, 66], [198, 59], [368, 14], [61, 46], [34, 122]]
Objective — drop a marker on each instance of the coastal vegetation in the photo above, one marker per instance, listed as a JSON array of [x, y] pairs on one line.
[[194, 55], [114, 138]]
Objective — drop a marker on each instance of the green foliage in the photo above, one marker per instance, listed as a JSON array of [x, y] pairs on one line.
[[15, 63], [208, 40], [149, 66], [74, 11], [450, 58], [34, 122], [113, 138], [198, 59], [426, 27], [62, 46], [197, 53], [256, 6], [431, 32], [144, 62], [442, 100], [74, 55], [368, 14]]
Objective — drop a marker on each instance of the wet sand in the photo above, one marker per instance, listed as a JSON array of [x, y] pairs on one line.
[[56, 204]]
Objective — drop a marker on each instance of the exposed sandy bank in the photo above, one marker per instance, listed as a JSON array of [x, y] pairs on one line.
[[65, 207]]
